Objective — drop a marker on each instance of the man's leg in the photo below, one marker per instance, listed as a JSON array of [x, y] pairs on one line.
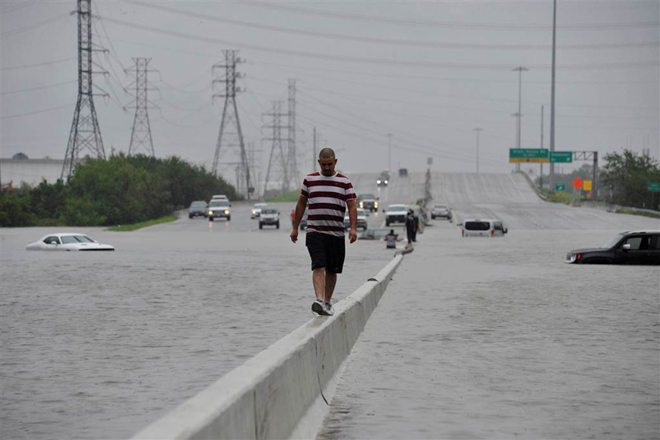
[[319, 279], [330, 281]]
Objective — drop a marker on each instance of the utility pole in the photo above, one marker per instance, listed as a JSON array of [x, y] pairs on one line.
[[551, 183], [292, 160], [276, 148], [314, 152], [541, 175], [85, 132], [230, 114], [141, 134], [389, 163], [520, 70], [478, 129]]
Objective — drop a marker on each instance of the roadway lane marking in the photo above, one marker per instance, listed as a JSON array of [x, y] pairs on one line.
[[516, 185]]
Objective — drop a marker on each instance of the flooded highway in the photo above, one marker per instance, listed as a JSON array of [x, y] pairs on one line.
[[98, 345]]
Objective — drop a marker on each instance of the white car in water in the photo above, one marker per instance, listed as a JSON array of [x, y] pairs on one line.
[[68, 242]]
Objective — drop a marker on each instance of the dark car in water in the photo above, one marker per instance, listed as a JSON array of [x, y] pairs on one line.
[[631, 247], [197, 209]]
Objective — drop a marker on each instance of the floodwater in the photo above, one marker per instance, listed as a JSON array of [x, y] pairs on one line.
[[480, 338], [99, 345]]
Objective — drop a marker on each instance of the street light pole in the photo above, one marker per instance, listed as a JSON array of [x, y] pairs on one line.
[[389, 141], [520, 70], [551, 183], [478, 129]]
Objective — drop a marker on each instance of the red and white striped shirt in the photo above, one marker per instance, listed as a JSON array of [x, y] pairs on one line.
[[326, 202]]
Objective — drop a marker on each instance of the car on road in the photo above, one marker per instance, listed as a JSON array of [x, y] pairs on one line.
[[70, 241], [269, 217], [483, 228], [256, 209], [396, 214], [384, 178], [403, 172], [630, 247], [442, 211], [220, 197], [368, 201], [219, 208], [198, 208], [361, 220]]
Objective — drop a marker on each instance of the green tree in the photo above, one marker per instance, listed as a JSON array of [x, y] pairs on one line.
[[625, 178], [15, 209], [115, 192]]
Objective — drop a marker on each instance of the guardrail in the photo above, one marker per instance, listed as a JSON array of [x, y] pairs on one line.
[[284, 391]]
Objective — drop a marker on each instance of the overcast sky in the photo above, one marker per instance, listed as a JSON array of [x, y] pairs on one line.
[[426, 72]]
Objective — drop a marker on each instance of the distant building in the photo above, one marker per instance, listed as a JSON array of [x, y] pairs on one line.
[[21, 169]]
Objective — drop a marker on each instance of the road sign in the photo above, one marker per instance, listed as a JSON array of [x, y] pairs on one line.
[[586, 185], [560, 187], [561, 157], [654, 186], [429, 161], [528, 155], [577, 182]]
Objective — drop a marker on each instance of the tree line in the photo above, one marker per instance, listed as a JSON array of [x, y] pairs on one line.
[[120, 190], [625, 180]]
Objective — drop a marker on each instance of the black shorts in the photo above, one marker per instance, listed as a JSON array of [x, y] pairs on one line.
[[326, 251]]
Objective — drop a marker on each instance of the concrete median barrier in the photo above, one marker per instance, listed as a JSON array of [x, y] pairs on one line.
[[284, 391]]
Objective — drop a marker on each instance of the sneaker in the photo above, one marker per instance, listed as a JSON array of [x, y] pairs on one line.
[[318, 307], [329, 309]]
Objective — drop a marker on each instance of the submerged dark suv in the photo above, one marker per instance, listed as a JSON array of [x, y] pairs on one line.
[[632, 247]]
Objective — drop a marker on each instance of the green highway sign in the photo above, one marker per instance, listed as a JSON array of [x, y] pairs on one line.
[[560, 187], [654, 186], [528, 155], [561, 156]]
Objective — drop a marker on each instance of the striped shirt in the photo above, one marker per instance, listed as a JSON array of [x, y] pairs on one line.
[[326, 202]]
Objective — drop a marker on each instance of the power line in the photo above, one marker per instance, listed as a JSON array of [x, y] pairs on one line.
[[297, 68], [18, 7], [32, 27], [377, 61], [398, 21], [37, 112], [39, 87], [387, 41], [45, 63]]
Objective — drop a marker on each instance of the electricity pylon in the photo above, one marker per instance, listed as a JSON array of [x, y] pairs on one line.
[[277, 149], [230, 115], [141, 134], [292, 159], [85, 132]]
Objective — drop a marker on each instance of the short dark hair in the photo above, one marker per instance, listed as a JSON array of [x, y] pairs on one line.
[[327, 153]]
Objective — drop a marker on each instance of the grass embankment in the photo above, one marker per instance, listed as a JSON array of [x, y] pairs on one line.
[[134, 226], [631, 212], [566, 198], [291, 196]]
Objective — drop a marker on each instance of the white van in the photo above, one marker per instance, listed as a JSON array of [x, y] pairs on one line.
[[483, 228]]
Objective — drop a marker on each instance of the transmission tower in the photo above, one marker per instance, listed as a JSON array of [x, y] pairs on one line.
[[141, 134], [277, 150], [85, 132], [292, 159], [230, 116]]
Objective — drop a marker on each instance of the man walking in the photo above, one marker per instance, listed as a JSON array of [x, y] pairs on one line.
[[328, 195], [410, 226]]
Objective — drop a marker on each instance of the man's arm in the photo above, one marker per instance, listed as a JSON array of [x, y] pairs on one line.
[[297, 218], [352, 215]]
